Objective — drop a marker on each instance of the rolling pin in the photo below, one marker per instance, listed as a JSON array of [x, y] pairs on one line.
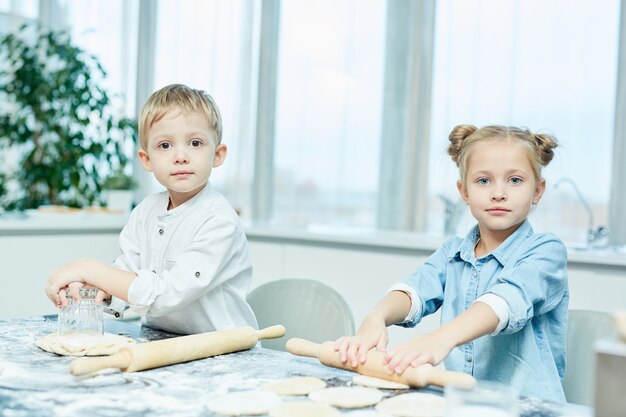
[[177, 350], [419, 377]]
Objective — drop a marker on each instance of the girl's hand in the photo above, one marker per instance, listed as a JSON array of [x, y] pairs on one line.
[[354, 349], [427, 348]]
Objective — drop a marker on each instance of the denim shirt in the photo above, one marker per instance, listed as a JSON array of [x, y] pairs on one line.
[[529, 271]]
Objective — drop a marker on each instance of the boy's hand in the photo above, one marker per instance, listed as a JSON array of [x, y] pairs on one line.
[[354, 349], [427, 348], [71, 275]]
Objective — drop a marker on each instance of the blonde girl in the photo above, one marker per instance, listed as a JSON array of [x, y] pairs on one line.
[[502, 289]]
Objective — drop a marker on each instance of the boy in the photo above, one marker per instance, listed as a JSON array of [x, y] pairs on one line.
[[184, 261]]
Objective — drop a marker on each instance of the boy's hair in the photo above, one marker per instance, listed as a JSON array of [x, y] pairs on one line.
[[182, 98], [464, 137]]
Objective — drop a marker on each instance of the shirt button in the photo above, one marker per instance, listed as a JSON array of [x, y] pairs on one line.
[[197, 274], [161, 231], [468, 359]]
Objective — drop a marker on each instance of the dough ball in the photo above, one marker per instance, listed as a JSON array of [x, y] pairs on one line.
[[347, 397], [304, 409], [300, 385], [244, 403], [414, 405], [78, 344], [370, 381]]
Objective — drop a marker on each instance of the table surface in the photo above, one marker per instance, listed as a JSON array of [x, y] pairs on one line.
[[36, 383]]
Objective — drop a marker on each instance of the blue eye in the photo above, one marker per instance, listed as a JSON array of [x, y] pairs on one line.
[[483, 181], [516, 180]]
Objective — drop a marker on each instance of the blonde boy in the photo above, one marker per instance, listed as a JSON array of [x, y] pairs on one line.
[[184, 263]]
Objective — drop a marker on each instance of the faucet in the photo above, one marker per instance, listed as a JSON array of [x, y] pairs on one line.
[[593, 233], [453, 212]]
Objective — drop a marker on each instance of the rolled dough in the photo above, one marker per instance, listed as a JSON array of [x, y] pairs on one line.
[[416, 404], [78, 344], [300, 385], [304, 409], [347, 397], [244, 403], [370, 381]]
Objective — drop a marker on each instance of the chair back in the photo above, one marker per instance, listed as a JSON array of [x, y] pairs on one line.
[[585, 327], [307, 308]]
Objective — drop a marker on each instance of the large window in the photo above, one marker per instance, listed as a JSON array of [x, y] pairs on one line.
[[545, 65], [361, 97]]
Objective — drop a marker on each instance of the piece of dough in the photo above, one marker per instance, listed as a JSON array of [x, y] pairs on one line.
[[304, 409], [244, 403], [299, 385], [416, 404], [370, 381], [78, 344], [347, 397]]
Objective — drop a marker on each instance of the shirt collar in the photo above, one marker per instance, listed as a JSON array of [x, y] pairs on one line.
[[180, 210], [502, 253]]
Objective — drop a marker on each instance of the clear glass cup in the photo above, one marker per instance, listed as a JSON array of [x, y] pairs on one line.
[[485, 399], [82, 316]]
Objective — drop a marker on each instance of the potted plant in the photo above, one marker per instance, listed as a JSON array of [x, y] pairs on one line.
[[118, 191], [60, 130]]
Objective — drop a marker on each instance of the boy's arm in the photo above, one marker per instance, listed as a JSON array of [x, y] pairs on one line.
[[478, 320], [91, 272]]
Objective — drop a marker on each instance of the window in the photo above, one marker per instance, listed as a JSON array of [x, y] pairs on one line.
[[109, 31], [541, 64], [328, 112]]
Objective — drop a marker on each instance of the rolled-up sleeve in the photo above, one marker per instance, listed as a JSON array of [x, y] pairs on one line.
[[428, 284], [210, 260], [535, 284]]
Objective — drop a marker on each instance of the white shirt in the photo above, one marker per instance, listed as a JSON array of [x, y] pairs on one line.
[[192, 264]]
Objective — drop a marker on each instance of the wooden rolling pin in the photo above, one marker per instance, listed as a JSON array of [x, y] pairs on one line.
[[177, 349], [420, 376]]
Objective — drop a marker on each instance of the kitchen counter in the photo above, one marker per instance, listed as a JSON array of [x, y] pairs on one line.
[[36, 383]]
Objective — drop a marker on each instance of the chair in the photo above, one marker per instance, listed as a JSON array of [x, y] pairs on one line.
[[584, 329], [308, 309]]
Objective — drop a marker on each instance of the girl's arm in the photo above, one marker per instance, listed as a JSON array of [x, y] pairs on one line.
[[478, 320], [392, 309]]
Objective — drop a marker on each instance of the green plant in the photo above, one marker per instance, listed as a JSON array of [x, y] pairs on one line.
[[57, 122], [119, 181]]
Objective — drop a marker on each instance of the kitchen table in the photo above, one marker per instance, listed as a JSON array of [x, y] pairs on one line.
[[36, 383]]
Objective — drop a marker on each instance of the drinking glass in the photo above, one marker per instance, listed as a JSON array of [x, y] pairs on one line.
[[485, 399]]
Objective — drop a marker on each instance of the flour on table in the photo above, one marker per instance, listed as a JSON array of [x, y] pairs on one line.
[[300, 385], [304, 409], [244, 403], [347, 397], [78, 344], [370, 381], [414, 405]]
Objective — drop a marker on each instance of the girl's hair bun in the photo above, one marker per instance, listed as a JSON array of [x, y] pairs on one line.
[[456, 137], [545, 145]]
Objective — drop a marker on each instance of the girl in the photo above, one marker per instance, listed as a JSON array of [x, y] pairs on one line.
[[502, 289]]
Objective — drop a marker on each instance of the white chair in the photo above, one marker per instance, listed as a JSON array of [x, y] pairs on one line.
[[308, 309], [585, 327]]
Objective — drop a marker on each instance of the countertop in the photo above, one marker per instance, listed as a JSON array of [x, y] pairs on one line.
[[85, 222], [36, 383]]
